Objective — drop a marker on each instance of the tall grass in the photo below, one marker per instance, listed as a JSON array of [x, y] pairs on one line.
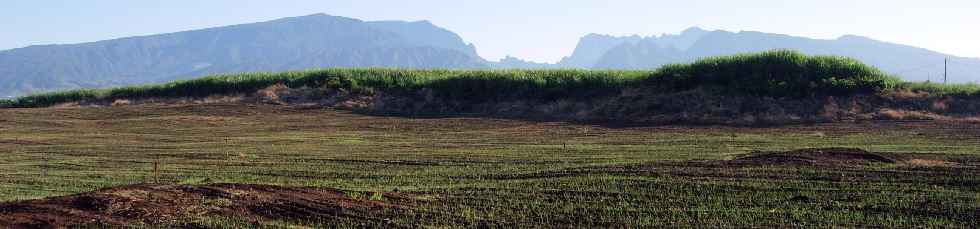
[[469, 85], [776, 73], [939, 89], [773, 73]]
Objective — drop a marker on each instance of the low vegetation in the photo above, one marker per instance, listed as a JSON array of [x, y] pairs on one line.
[[463, 84], [472, 172], [777, 73], [939, 89]]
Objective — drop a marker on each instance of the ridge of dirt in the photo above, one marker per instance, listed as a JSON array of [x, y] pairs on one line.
[[171, 204], [640, 105], [21, 142], [835, 157]]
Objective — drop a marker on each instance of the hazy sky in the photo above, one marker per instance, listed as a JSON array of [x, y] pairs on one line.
[[537, 30]]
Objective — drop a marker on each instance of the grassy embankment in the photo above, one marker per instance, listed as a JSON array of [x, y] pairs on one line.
[[773, 73]]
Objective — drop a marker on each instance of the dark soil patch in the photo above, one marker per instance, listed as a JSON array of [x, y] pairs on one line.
[[821, 156], [175, 204], [21, 142]]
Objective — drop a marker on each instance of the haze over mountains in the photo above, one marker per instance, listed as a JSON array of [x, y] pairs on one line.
[[321, 41]]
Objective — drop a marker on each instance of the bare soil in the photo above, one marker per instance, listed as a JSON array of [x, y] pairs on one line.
[[824, 156], [20, 142], [168, 204], [637, 106]]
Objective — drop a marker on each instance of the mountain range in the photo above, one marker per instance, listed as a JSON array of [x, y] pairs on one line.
[[296, 43], [322, 41], [910, 63]]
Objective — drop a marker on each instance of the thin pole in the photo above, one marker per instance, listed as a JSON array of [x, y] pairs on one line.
[[945, 69]]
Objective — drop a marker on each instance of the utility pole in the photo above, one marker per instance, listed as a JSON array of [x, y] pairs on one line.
[[945, 69]]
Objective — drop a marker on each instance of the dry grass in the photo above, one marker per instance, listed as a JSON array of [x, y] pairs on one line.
[[930, 163], [892, 114]]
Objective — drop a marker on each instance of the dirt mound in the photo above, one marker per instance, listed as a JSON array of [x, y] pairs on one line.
[[638, 105], [822, 156], [173, 204]]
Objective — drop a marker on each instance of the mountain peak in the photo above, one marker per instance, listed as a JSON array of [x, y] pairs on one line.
[[694, 29], [313, 18], [427, 34], [853, 37], [316, 15], [596, 35]]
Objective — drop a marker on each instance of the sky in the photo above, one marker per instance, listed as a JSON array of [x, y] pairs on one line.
[[541, 30]]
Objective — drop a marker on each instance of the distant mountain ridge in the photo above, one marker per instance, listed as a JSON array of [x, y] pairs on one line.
[[297, 43], [323, 41], [911, 63], [591, 48], [427, 34]]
